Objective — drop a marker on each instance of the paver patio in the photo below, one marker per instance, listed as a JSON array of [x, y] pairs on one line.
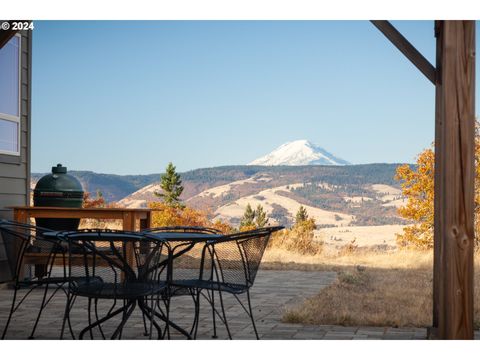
[[272, 293]]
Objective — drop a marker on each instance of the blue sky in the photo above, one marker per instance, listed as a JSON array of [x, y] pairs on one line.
[[128, 97]]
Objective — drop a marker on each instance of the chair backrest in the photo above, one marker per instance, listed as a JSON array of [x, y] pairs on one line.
[[188, 258], [238, 256], [23, 240], [113, 257]]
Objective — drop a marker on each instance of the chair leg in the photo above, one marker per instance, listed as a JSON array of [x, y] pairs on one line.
[[167, 310], [251, 315], [12, 310], [156, 304], [152, 305], [160, 313], [15, 307], [42, 306], [224, 315], [90, 317], [62, 331], [123, 318], [212, 302], [70, 327], [130, 305], [96, 318], [96, 323], [150, 313], [145, 331], [248, 311], [66, 316], [196, 301], [169, 323]]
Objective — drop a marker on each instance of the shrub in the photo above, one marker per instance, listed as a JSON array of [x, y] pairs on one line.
[[97, 202], [166, 215], [349, 248], [299, 239]]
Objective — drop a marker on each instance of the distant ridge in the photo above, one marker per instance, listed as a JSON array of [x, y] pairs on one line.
[[299, 152], [116, 187]]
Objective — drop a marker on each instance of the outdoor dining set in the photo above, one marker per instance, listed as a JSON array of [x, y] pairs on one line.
[[112, 273]]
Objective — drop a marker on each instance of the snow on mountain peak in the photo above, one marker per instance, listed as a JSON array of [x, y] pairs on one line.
[[299, 152]]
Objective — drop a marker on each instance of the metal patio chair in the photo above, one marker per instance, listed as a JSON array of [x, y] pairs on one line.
[[185, 259], [228, 264], [117, 267], [34, 261]]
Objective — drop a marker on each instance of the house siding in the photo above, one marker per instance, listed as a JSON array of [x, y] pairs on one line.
[[15, 170]]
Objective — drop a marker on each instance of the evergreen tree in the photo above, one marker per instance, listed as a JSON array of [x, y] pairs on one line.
[[172, 187], [260, 217], [301, 215], [248, 217]]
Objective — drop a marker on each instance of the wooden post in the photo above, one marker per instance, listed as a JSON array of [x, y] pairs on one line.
[[129, 225], [146, 222], [433, 331], [454, 180]]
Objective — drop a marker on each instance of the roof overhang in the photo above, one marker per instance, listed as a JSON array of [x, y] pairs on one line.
[[6, 35]]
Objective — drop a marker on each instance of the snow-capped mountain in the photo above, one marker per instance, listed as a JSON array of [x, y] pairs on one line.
[[299, 152]]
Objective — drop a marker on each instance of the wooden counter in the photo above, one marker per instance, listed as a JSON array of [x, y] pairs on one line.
[[129, 217]]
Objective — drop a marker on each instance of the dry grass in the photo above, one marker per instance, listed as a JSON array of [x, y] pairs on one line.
[[373, 288], [298, 240], [365, 236]]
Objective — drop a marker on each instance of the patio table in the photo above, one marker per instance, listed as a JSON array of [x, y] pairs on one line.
[[176, 244], [92, 250]]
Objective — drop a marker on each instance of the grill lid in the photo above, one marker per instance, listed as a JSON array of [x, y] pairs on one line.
[[58, 184]]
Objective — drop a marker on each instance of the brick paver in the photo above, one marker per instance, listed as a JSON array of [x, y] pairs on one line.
[[272, 293]]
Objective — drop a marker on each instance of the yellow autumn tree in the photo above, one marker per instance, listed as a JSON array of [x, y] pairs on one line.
[[418, 188], [477, 185], [167, 215]]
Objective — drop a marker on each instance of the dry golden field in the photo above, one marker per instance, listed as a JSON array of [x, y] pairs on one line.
[[373, 288], [364, 236]]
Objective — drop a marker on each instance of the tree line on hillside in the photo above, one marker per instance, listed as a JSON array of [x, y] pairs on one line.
[[337, 175], [369, 211], [115, 187]]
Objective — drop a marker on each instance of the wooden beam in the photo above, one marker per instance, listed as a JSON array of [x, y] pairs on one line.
[[454, 175], [402, 44]]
